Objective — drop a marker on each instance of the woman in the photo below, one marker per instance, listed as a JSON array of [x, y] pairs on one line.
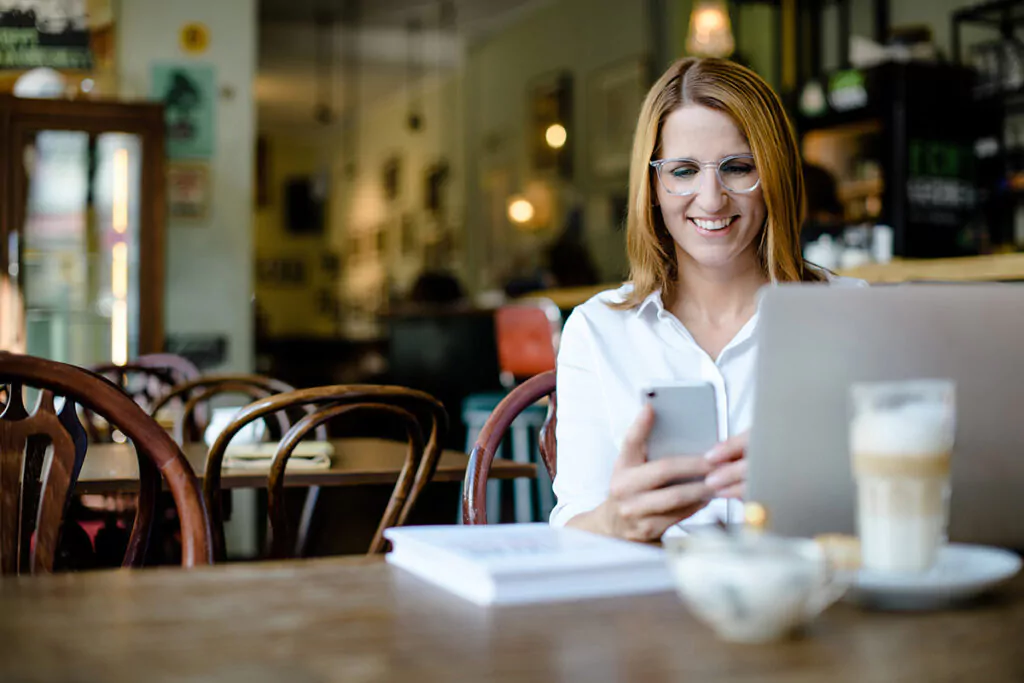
[[716, 206]]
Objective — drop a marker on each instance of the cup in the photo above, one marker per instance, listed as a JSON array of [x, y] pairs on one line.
[[901, 445], [753, 587], [221, 417]]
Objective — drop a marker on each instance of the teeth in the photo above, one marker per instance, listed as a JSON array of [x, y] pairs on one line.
[[712, 225]]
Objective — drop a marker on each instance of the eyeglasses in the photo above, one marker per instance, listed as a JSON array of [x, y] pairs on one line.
[[681, 177]]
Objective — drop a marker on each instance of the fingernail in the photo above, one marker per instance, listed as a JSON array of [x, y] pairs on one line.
[[714, 480], [710, 455]]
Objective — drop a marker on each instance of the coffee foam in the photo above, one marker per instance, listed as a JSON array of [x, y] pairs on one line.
[[915, 430]]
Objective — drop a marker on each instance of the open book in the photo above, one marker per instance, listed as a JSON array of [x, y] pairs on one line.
[[518, 563]]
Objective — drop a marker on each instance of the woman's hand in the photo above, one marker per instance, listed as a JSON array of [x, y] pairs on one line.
[[729, 477], [646, 498]]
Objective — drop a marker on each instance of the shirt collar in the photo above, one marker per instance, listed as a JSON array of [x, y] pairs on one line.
[[653, 299]]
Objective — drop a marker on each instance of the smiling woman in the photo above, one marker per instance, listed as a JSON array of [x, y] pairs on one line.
[[715, 208]]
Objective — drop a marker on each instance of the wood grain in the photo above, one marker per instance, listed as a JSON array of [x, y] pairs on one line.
[[356, 620], [114, 467]]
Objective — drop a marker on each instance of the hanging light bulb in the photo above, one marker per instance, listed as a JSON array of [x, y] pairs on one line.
[[710, 32]]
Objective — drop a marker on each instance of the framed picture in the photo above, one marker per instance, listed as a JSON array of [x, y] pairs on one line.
[[407, 235], [188, 191], [616, 93], [391, 177]]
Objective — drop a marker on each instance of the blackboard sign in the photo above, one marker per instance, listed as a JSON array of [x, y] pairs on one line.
[[45, 33]]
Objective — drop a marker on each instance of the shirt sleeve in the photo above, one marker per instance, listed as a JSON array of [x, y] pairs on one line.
[[586, 450]]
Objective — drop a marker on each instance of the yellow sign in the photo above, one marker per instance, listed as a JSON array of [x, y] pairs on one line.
[[195, 38]]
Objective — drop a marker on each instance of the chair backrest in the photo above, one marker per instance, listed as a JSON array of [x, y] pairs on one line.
[[527, 334], [474, 492], [196, 394], [36, 489], [146, 379], [413, 409]]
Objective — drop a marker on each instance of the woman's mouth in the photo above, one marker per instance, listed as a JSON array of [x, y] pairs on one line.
[[716, 226]]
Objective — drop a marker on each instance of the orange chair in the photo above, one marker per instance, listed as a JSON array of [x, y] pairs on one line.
[[527, 333]]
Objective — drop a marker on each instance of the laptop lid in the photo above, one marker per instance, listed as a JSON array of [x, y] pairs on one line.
[[814, 341]]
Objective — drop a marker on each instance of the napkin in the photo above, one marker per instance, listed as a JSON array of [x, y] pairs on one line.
[[308, 455]]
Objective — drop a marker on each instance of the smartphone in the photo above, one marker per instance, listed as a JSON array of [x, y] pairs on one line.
[[686, 419]]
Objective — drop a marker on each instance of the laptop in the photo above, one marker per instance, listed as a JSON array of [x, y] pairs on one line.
[[814, 341]]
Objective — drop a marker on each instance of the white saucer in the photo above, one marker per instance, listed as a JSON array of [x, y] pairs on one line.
[[962, 572]]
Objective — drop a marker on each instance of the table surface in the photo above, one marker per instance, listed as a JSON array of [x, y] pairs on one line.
[[114, 467], [357, 619]]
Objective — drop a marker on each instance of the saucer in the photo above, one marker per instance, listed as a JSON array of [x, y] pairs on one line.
[[961, 572]]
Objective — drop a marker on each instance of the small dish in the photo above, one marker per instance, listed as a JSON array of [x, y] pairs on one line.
[[961, 572]]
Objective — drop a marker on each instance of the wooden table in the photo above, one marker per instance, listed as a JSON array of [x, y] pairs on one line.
[[359, 620], [114, 467]]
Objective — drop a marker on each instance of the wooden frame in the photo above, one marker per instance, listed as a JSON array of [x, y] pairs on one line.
[[22, 118]]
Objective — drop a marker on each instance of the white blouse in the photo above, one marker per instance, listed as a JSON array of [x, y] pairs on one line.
[[606, 358]]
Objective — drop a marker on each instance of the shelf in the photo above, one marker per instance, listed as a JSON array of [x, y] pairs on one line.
[[992, 268]]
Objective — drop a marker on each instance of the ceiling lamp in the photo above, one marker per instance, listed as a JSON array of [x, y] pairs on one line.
[[710, 32]]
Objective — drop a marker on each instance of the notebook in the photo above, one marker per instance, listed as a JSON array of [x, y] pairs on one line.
[[522, 563]]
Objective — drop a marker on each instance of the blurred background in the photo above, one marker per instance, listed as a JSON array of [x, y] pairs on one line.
[[343, 191]]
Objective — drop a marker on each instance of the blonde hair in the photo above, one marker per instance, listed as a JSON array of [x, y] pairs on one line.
[[750, 102]]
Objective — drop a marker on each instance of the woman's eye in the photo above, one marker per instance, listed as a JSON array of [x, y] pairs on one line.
[[737, 169], [683, 172]]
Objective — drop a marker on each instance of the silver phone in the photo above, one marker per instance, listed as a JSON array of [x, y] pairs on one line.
[[686, 419]]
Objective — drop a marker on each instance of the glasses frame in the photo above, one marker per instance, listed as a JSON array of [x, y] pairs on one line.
[[657, 165]]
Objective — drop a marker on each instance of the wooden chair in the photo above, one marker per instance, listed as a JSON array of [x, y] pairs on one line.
[[197, 393], [146, 379], [413, 409], [474, 496], [36, 489]]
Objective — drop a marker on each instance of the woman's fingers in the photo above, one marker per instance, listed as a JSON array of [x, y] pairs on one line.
[[728, 480], [733, 448], [665, 501], [659, 474], [634, 445], [653, 527]]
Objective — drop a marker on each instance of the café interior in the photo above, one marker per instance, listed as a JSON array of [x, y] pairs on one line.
[[279, 276]]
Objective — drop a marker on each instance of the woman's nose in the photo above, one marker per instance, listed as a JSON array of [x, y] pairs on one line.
[[711, 196]]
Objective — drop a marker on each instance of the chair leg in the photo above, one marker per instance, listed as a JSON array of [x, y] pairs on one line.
[[522, 487], [308, 508]]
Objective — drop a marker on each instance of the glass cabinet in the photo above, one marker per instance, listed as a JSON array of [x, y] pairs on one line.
[[82, 225]]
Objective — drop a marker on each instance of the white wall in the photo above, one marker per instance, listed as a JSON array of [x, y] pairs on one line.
[[362, 209], [209, 264], [577, 36]]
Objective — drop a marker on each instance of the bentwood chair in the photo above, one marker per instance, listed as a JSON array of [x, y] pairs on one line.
[[198, 393], [423, 418], [474, 496], [41, 456], [146, 379]]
